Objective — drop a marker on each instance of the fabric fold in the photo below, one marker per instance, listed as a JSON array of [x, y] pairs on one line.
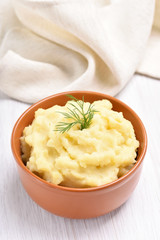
[[54, 46]]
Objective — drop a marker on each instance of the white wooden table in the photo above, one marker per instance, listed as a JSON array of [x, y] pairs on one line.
[[137, 219]]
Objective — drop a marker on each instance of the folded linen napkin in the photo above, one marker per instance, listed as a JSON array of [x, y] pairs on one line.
[[150, 64], [50, 46]]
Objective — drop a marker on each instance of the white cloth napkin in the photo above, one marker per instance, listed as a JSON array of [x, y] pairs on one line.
[[150, 64], [58, 45]]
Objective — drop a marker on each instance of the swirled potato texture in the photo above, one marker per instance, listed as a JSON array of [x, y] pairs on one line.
[[91, 157]]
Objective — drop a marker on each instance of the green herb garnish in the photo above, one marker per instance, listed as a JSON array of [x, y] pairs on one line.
[[77, 114]]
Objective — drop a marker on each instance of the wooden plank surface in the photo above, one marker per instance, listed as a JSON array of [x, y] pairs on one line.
[[138, 218]]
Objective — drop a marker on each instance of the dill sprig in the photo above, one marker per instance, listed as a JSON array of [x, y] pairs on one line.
[[78, 115]]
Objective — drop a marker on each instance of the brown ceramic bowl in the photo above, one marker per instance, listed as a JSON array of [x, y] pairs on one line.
[[79, 202]]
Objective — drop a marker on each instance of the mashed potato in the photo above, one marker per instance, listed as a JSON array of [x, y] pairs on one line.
[[80, 158]]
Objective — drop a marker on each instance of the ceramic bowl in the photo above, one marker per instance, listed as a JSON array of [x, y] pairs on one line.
[[79, 202]]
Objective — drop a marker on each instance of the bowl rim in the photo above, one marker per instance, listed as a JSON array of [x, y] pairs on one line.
[[71, 189]]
